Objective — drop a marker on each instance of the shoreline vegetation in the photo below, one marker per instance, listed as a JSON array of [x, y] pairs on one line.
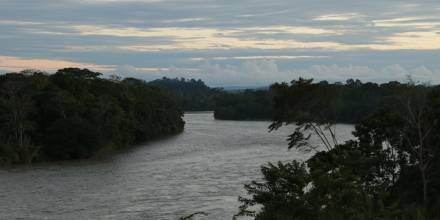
[[354, 102], [76, 114], [390, 170]]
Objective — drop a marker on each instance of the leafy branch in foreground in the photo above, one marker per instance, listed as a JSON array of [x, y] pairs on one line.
[[311, 107]]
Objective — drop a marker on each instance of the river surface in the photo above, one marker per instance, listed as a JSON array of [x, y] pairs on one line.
[[202, 169]]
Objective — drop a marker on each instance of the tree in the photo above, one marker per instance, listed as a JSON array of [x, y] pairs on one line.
[[390, 171], [75, 114], [347, 182], [415, 108], [16, 106], [80, 73], [311, 107]]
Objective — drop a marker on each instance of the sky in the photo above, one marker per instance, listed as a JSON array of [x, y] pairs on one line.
[[226, 42]]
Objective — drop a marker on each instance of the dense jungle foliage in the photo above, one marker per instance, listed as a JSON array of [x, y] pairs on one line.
[[355, 101], [192, 95], [390, 171], [75, 114], [243, 105]]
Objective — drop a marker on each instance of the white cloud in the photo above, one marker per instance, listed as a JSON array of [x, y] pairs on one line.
[[184, 39], [280, 57], [421, 40], [19, 23], [421, 22], [338, 17], [14, 64], [184, 20]]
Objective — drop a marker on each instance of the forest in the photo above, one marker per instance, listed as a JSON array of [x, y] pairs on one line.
[[76, 113], [354, 100], [195, 95], [390, 170], [243, 105], [191, 94]]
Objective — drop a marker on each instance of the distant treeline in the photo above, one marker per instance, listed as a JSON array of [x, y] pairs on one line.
[[355, 100], [192, 94], [75, 114], [244, 105], [195, 95]]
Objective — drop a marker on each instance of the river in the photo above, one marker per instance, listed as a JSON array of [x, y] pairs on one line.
[[202, 169]]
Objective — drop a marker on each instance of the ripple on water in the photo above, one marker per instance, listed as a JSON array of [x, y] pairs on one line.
[[203, 169]]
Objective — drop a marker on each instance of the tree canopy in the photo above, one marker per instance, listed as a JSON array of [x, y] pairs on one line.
[[191, 94], [75, 114], [348, 102]]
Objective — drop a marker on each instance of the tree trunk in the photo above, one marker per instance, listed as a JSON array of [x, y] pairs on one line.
[[425, 187]]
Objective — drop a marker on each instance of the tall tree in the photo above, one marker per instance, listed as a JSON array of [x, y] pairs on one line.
[[16, 107]]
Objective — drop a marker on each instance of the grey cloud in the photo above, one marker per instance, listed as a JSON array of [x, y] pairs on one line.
[[43, 29]]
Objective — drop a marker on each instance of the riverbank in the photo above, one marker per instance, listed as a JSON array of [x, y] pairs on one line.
[[202, 169]]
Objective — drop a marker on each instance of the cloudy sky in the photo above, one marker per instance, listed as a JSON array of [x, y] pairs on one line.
[[226, 42]]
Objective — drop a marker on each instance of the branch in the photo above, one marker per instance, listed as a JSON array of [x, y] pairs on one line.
[[189, 217]]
